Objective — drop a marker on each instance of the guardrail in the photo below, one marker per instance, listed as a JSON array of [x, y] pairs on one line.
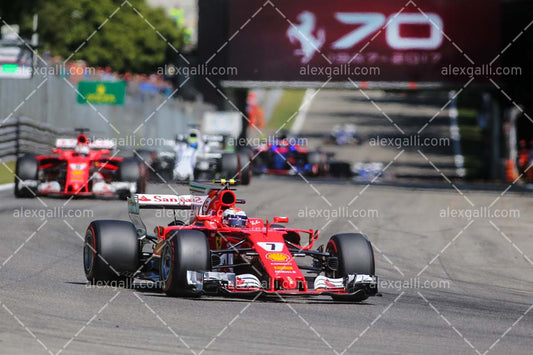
[[21, 135]]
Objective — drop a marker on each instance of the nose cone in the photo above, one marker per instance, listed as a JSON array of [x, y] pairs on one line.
[[290, 283], [286, 283]]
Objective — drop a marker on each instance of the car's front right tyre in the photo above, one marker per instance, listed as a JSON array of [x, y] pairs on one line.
[[184, 250], [355, 255]]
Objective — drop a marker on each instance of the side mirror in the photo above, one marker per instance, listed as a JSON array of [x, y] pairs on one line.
[[56, 150], [281, 220]]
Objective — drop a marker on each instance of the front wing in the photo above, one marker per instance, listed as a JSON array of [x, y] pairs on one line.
[[53, 188], [352, 287]]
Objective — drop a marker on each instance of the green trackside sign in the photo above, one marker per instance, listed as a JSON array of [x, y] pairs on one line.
[[101, 92]]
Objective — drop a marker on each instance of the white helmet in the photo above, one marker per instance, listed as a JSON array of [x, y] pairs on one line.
[[234, 217], [82, 149]]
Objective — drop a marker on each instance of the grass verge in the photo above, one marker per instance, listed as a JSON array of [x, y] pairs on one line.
[[286, 108], [6, 175]]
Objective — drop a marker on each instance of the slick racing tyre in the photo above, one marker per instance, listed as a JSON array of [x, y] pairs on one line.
[[229, 166], [201, 175], [143, 179], [132, 170], [110, 251], [245, 168], [259, 164], [27, 168], [355, 256], [318, 163], [340, 170], [184, 250], [144, 156]]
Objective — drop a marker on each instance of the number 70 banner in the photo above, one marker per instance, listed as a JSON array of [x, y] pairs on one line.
[[312, 40]]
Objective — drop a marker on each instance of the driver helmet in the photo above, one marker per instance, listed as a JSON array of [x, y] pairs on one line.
[[192, 140], [82, 149], [234, 217]]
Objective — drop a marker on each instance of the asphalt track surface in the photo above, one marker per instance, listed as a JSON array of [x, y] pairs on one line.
[[480, 300]]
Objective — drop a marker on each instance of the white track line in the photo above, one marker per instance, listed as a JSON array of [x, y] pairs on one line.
[[5, 187], [300, 118]]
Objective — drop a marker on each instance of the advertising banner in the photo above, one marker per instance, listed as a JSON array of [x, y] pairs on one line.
[[386, 40], [101, 92]]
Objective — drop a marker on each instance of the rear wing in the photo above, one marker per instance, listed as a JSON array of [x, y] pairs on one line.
[[200, 194], [156, 201], [70, 143]]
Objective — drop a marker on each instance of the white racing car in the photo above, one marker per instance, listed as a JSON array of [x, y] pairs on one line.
[[203, 157]]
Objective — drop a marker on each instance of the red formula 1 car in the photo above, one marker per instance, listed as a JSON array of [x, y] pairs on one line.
[[222, 251], [81, 168]]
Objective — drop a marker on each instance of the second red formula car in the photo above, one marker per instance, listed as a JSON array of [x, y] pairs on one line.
[[78, 167]]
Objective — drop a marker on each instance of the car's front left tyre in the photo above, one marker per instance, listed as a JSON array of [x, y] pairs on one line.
[[27, 168], [110, 251]]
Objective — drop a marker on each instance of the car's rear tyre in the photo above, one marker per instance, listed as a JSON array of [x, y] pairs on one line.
[[184, 250], [110, 251], [162, 169], [27, 168], [144, 155], [355, 256], [132, 170], [143, 179], [340, 169], [318, 162], [229, 166], [245, 168], [202, 175], [259, 164]]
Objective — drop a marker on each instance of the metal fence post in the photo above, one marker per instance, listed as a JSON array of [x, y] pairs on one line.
[[456, 135], [17, 137]]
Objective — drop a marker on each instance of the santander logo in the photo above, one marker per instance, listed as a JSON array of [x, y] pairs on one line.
[[304, 34]]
